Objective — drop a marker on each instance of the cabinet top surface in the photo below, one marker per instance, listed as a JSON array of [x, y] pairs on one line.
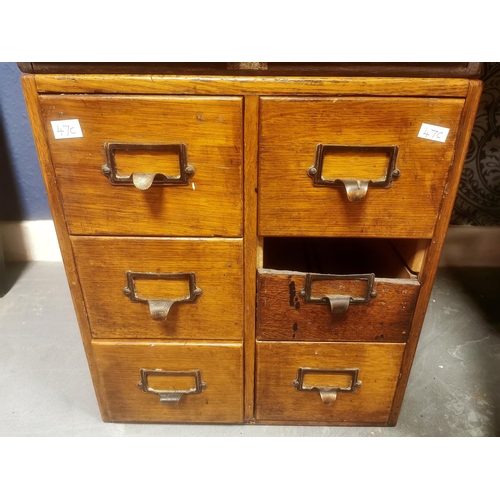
[[238, 85], [413, 69]]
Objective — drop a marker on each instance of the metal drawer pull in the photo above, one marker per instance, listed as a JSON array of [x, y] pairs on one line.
[[356, 189], [143, 180], [338, 303], [328, 394], [159, 308], [173, 396]]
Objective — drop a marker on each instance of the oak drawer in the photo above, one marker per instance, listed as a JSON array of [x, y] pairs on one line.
[[362, 139], [171, 382], [295, 307], [200, 136], [127, 282], [297, 381], [335, 289]]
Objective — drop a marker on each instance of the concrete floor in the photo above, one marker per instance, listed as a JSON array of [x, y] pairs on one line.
[[46, 389]]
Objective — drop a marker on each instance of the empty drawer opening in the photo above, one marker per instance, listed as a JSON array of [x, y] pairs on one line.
[[335, 256]]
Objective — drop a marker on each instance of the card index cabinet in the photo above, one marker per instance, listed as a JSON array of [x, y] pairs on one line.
[[248, 248]]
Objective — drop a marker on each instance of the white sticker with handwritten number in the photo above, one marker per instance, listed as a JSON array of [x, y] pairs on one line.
[[433, 132], [66, 129]]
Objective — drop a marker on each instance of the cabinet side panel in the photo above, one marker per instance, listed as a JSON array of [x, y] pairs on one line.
[[435, 248], [32, 103]]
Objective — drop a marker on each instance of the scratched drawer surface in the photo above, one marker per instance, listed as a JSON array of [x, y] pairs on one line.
[[354, 166], [161, 288], [166, 166], [325, 383], [296, 307], [171, 382], [334, 289]]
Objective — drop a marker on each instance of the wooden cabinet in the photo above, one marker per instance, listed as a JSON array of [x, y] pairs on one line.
[[251, 247]]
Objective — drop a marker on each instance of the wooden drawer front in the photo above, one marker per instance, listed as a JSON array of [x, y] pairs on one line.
[[278, 398], [291, 129], [211, 129], [218, 367], [217, 313], [283, 314]]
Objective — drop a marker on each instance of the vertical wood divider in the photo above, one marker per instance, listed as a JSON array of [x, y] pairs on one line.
[[250, 243]]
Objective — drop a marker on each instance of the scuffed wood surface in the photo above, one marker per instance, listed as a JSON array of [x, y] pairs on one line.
[[261, 85], [282, 313]]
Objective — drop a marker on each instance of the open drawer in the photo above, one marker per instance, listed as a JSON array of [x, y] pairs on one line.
[[334, 289]]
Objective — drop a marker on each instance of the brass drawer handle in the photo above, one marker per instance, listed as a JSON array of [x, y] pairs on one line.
[[159, 308], [144, 180], [356, 189], [328, 394], [172, 396], [338, 303]]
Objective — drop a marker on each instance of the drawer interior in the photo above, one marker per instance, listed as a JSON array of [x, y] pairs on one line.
[[342, 256]]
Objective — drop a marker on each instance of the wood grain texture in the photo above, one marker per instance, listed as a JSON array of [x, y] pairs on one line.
[[250, 243], [221, 366], [218, 314], [212, 129], [290, 205], [55, 202], [435, 248], [412, 251], [282, 313], [278, 399], [261, 85]]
